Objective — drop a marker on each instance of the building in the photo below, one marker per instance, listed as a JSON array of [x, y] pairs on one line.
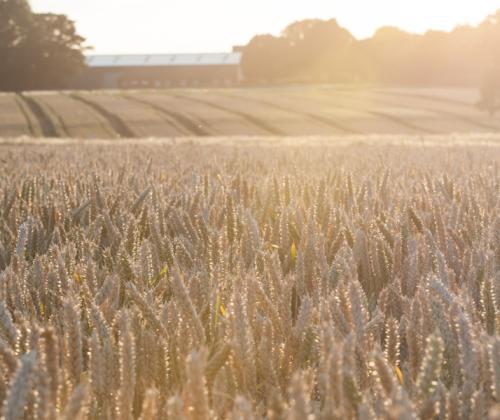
[[161, 71]]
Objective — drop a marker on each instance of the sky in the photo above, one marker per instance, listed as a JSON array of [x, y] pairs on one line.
[[164, 26]]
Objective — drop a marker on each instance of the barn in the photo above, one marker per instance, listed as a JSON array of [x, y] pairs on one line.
[[161, 71]]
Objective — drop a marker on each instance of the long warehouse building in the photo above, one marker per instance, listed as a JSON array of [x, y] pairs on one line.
[[161, 71]]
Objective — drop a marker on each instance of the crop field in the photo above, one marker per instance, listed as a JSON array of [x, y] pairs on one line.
[[277, 111], [251, 276]]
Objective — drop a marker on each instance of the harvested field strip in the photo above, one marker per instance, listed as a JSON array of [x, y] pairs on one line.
[[191, 126], [45, 122], [119, 126], [248, 117], [315, 117]]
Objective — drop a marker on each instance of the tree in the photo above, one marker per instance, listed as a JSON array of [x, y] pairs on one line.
[[266, 59], [37, 51], [306, 50], [391, 54], [317, 50], [15, 17], [322, 49]]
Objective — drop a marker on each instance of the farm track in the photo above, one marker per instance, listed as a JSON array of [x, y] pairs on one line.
[[263, 125], [185, 122], [119, 126], [45, 122], [315, 117]]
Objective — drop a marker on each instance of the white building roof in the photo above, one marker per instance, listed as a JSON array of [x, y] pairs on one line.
[[151, 60]]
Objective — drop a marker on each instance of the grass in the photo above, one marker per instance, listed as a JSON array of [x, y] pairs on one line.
[[305, 278]]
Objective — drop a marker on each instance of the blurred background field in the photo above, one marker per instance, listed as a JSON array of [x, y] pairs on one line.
[[267, 111]]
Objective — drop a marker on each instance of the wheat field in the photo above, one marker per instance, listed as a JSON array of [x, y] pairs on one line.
[[328, 110], [353, 280]]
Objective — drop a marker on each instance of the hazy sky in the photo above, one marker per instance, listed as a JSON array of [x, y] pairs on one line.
[[155, 26]]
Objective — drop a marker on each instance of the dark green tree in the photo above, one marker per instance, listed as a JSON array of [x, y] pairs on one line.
[[37, 51]]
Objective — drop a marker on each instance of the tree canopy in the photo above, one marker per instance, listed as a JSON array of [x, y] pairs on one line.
[[322, 51], [37, 51]]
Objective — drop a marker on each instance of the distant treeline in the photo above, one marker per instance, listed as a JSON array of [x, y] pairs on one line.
[[37, 51], [322, 51]]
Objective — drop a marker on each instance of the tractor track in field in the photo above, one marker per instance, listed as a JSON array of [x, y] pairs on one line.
[[469, 120], [315, 117], [119, 126], [55, 115], [465, 118], [187, 123], [22, 107], [44, 121], [104, 124], [428, 97], [379, 114], [263, 125], [396, 120]]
